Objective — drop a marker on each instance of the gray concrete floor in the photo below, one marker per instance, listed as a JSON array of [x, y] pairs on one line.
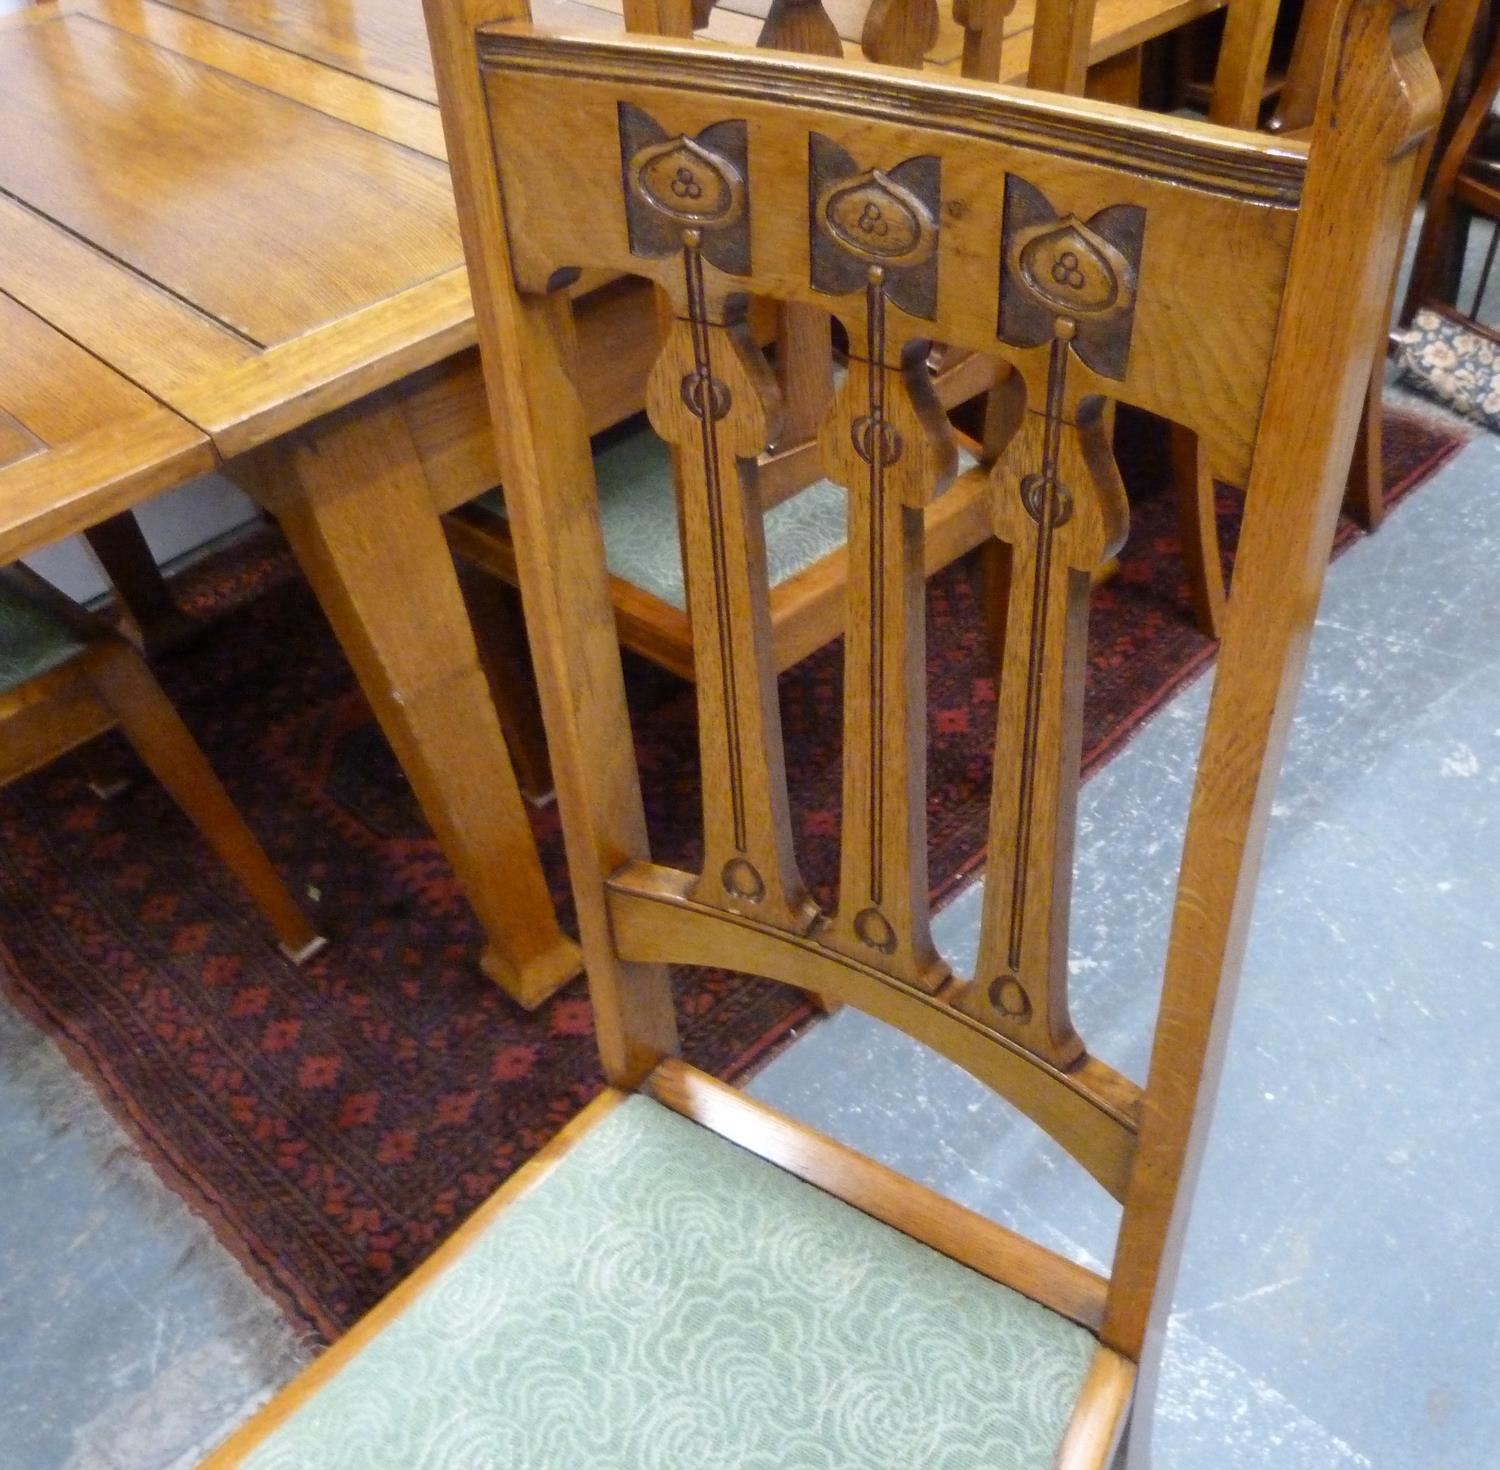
[[1340, 1304]]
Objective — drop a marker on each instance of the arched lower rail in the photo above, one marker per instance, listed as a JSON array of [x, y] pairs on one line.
[[1090, 1109]]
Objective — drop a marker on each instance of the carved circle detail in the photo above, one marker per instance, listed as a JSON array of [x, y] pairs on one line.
[[873, 928], [877, 219], [741, 880], [686, 182], [1009, 997], [705, 395], [1033, 488], [872, 436]]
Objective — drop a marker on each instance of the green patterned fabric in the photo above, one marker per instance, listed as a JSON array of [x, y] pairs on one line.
[[638, 516], [665, 1300], [32, 641]]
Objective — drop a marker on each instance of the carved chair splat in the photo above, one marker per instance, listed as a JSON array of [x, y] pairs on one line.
[[1070, 239]]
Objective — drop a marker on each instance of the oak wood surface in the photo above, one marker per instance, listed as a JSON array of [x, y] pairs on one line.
[[658, 157], [1089, 1108], [345, 487], [569, 614], [1138, 198], [77, 441], [308, 196], [805, 614], [1100, 1415], [262, 244]]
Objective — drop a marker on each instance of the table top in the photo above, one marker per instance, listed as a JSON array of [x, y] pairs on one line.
[[247, 235], [243, 208], [77, 441]]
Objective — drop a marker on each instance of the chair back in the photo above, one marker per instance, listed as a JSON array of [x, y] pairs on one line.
[[1226, 281]]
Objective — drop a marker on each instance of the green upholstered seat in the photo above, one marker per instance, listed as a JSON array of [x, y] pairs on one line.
[[664, 1300], [638, 516], [32, 640]]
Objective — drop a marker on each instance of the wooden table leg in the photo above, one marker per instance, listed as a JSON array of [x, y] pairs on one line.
[[351, 496]]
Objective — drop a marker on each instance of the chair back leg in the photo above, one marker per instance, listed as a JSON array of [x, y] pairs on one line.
[[148, 719]]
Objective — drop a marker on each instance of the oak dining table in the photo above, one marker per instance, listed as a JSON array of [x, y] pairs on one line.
[[228, 240]]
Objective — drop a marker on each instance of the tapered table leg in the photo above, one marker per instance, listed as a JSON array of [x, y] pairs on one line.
[[352, 499]]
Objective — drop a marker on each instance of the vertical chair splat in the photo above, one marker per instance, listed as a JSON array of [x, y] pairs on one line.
[[899, 32], [873, 237], [1060, 507], [983, 23], [888, 442], [713, 398], [1060, 524]]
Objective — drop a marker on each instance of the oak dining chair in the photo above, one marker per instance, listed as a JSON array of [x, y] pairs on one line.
[[67, 677], [685, 1275], [1465, 186]]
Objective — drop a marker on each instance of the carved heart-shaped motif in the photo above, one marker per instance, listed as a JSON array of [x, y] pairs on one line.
[[1072, 270], [686, 182], [874, 217]]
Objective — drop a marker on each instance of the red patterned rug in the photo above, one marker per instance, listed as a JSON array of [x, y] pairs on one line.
[[336, 1123]]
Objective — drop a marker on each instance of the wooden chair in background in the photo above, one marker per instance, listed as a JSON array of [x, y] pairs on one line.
[[686, 1268], [805, 513], [1447, 36], [1466, 185], [66, 677], [1243, 86]]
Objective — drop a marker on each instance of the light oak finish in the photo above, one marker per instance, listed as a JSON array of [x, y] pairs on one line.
[[900, 32], [599, 833], [416, 658], [1281, 403], [1097, 1427], [805, 611], [78, 443], [1223, 279], [266, 246], [606, 126]]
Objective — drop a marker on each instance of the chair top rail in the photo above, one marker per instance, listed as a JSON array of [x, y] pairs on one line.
[[1239, 164]]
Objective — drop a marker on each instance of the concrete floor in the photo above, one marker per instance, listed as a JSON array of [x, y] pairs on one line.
[[1340, 1305]]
